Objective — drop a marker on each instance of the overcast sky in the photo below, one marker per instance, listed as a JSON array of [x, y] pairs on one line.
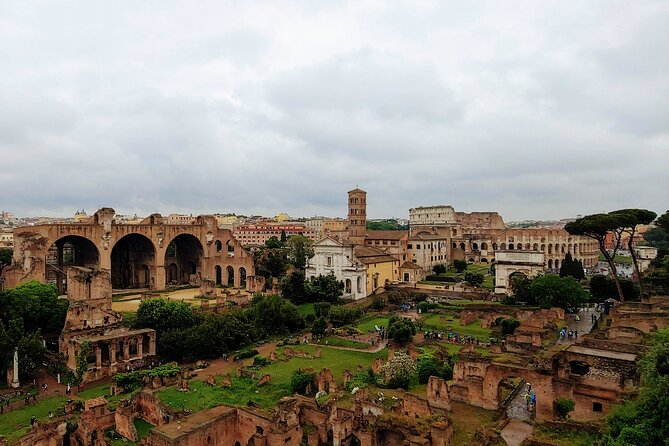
[[535, 109]]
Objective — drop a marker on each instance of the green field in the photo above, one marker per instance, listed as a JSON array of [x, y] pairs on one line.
[[202, 396], [564, 437], [448, 323], [367, 325], [336, 341], [15, 424], [306, 309]]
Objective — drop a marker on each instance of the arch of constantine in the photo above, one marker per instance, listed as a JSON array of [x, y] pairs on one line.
[[148, 255]]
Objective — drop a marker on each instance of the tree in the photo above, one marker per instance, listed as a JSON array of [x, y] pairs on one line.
[[293, 287], [300, 249], [571, 267], [324, 288], [276, 315], [273, 243], [459, 265], [399, 370], [401, 330], [602, 288], [319, 328], [302, 381], [283, 237], [322, 309], [520, 286], [474, 278], [37, 304], [596, 227], [163, 315], [663, 221], [340, 316], [635, 217], [439, 269], [555, 291], [429, 365], [5, 258]]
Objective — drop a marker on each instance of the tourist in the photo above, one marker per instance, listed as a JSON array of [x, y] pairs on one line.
[[575, 334], [527, 400], [533, 398]]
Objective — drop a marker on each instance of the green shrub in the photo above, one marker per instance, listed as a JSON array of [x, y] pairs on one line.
[[133, 380], [246, 354], [563, 406], [401, 330], [340, 316], [260, 361], [474, 278], [460, 265], [301, 381], [439, 269]]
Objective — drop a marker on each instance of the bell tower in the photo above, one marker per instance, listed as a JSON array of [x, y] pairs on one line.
[[357, 216]]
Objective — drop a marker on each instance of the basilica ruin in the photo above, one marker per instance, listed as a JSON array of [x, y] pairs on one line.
[[150, 255]]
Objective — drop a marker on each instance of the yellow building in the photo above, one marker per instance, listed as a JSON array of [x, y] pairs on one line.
[[382, 268], [282, 217]]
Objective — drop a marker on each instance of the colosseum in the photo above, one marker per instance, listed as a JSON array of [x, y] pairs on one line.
[[476, 237], [149, 255]]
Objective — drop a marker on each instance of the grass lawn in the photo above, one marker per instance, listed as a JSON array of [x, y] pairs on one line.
[[202, 396], [623, 260], [305, 309], [369, 324], [15, 424], [447, 323], [336, 360], [341, 342], [467, 420], [103, 390], [564, 437]]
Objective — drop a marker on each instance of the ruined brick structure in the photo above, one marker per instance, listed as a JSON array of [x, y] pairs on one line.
[[150, 255], [91, 321]]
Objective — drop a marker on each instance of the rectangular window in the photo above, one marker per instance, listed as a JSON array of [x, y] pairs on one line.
[[410, 246], [596, 407], [329, 261]]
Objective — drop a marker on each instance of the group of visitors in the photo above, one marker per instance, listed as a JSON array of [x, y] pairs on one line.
[[569, 334], [530, 398]]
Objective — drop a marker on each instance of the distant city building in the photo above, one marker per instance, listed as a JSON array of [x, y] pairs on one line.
[[80, 216], [256, 234], [7, 239], [179, 219], [357, 216]]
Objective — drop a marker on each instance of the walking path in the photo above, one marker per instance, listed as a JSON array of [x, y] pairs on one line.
[[515, 432], [584, 325], [517, 408]]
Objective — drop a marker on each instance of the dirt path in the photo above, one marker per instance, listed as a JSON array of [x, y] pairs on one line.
[[516, 431]]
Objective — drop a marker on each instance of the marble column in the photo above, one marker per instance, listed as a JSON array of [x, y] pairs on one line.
[[15, 381]]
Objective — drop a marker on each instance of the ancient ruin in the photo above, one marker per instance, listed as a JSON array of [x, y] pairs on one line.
[[149, 255], [91, 324]]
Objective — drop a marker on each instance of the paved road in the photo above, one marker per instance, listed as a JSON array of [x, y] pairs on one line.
[[515, 432], [517, 408], [583, 326]]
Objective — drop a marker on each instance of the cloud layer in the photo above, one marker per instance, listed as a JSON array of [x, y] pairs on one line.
[[533, 109]]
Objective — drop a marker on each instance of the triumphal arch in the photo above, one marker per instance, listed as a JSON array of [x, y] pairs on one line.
[[149, 255]]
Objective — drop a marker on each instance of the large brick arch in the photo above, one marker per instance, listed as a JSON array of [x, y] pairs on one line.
[[542, 385], [32, 245]]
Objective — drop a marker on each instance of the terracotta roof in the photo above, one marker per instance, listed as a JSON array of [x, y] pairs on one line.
[[367, 255], [386, 235], [410, 265]]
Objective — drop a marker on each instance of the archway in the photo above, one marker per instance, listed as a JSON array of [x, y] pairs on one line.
[[348, 286], [186, 251], [219, 246], [475, 246], [511, 246], [133, 262], [231, 276], [387, 437], [350, 440], [71, 250], [359, 284], [507, 388], [550, 263], [172, 274], [484, 246], [557, 264], [242, 277], [219, 274]]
